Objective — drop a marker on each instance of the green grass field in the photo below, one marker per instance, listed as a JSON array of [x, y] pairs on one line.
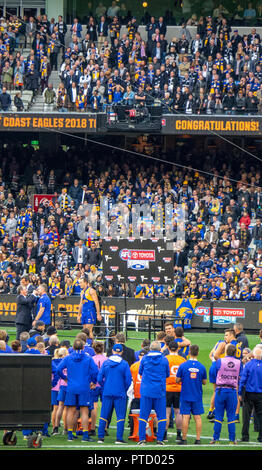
[[205, 341]]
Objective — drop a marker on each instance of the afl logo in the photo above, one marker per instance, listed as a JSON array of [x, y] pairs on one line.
[[125, 254], [113, 248], [109, 278], [132, 278], [167, 260]]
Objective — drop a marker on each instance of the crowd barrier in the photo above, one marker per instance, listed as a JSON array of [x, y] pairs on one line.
[[138, 313]]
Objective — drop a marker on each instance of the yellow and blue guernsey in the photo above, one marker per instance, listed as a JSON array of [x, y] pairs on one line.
[[215, 348], [184, 352], [149, 291], [238, 354], [68, 290], [76, 287], [88, 308], [55, 288], [139, 291]]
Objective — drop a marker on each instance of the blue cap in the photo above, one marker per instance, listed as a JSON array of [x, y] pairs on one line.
[[31, 342], [118, 348]]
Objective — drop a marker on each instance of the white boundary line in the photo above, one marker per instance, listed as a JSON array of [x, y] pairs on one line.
[[150, 446]]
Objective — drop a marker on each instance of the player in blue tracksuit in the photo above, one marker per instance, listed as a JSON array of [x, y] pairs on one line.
[[154, 370], [115, 377], [250, 391], [81, 373]]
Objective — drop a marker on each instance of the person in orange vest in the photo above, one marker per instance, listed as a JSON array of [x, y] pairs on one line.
[[135, 403], [173, 389], [137, 379]]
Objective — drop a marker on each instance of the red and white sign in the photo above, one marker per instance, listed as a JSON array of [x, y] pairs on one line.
[[40, 199], [221, 312], [137, 255], [229, 312]]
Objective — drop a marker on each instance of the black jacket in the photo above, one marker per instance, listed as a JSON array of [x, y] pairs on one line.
[[24, 309], [5, 101], [128, 354]]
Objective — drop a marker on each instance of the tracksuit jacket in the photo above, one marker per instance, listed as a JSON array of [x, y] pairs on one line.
[[81, 371]]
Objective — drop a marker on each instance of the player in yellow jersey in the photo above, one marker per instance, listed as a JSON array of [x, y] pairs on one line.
[[89, 308]]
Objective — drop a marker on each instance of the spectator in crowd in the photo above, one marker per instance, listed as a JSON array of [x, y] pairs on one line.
[[217, 249], [217, 68], [18, 102], [49, 96], [5, 100]]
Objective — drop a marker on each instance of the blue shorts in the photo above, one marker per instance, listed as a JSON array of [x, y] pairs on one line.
[[88, 317], [191, 407], [62, 393], [78, 399], [96, 393], [54, 397]]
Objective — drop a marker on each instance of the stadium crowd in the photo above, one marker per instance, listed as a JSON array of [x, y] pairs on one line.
[[157, 376], [216, 71], [222, 256]]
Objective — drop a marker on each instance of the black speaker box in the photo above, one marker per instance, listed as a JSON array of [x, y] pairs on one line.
[[25, 390]]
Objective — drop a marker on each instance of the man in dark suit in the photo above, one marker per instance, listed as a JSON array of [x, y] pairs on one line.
[[161, 26], [36, 42], [70, 79], [102, 31], [128, 353], [180, 258], [210, 49], [25, 303]]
